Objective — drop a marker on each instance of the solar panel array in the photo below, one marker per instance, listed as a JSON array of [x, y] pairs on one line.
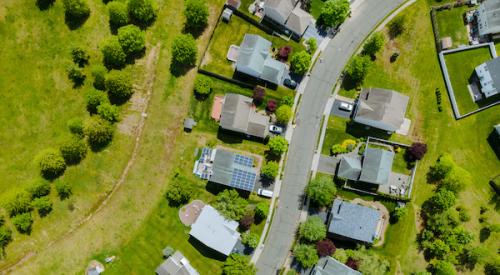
[[243, 179], [246, 161]]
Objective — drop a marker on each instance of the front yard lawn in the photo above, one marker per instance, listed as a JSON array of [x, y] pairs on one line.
[[400, 165], [461, 66], [316, 7], [451, 23], [232, 33]]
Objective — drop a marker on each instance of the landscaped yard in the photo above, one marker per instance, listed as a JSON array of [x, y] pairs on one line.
[[451, 23], [232, 33], [461, 66]]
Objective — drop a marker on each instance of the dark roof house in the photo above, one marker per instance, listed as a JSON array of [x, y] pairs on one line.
[[330, 266], [374, 167], [289, 15], [239, 115], [488, 18], [488, 75], [233, 170], [354, 222], [176, 264], [254, 59], [381, 108]]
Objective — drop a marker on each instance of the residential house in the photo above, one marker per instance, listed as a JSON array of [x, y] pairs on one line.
[[487, 77], [239, 115], [354, 222], [330, 266], [381, 108], [374, 167], [287, 16], [255, 60], [176, 264], [488, 19], [215, 231]]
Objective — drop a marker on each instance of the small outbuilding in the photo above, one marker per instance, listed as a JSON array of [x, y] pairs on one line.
[[226, 14]]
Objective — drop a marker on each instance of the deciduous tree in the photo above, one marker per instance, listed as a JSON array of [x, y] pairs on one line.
[[313, 229], [334, 12], [305, 255], [321, 190]]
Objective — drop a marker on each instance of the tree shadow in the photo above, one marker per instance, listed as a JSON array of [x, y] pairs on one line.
[[494, 141], [74, 23], [349, 84], [179, 69], [229, 137], [484, 234], [194, 31], [44, 4]]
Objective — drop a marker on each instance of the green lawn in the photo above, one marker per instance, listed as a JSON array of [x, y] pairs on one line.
[[232, 33], [316, 6], [400, 165], [451, 23], [460, 68]]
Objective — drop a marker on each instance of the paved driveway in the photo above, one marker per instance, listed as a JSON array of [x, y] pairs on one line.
[[327, 164], [319, 87]]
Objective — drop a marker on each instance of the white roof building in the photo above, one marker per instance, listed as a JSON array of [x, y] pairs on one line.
[[488, 75]]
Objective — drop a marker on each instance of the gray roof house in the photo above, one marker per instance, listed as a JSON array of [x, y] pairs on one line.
[[254, 59], [330, 266], [354, 222], [215, 231], [375, 167], [239, 115], [381, 108], [289, 15], [279, 10], [233, 170], [176, 264], [488, 75], [488, 18]]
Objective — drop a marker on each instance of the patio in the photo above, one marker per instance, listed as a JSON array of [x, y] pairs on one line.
[[190, 212]]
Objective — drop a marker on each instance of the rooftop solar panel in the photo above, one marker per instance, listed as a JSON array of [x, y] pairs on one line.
[[243, 160], [243, 180]]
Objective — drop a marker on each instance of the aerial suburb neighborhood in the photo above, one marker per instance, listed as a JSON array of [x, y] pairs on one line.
[[250, 137]]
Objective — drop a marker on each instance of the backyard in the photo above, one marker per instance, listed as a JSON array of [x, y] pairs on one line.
[[461, 67], [451, 24], [232, 33]]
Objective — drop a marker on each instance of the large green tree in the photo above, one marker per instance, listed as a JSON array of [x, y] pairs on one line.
[[73, 150], [283, 114], [321, 190], [184, 50], [270, 170], [305, 255], [300, 62], [76, 9], [118, 14], [51, 163], [113, 54], [99, 132], [358, 68], [313, 229], [237, 264], [277, 145], [179, 191], [142, 12], [230, 204], [196, 13], [119, 86], [131, 39], [374, 44], [334, 12]]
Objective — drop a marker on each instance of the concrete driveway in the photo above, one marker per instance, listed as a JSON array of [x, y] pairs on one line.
[[323, 77], [328, 164]]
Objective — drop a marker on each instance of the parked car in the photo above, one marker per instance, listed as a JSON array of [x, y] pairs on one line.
[[276, 129], [265, 193], [345, 106], [290, 83]]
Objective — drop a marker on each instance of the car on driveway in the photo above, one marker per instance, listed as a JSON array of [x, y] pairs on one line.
[[345, 106], [265, 193], [276, 129], [290, 83]]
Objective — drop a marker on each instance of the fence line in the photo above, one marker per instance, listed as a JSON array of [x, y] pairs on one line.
[[227, 79]]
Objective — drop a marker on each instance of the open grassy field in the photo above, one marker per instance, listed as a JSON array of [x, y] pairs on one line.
[[232, 33], [461, 66], [465, 139], [451, 23]]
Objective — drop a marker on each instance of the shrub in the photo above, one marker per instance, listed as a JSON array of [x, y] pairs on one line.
[[184, 50], [334, 12], [493, 267], [443, 268], [340, 255], [349, 144], [284, 52], [230, 204], [283, 114], [250, 239], [118, 15], [277, 145], [321, 190], [271, 105], [463, 214], [325, 247], [142, 12], [5, 237], [473, 256], [374, 44], [23, 223], [397, 26], [442, 168], [416, 151], [305, 255], [76, 75], [261, 211], [113, 54], [237, 264], [43, 205], [399, 213], [76, 9], [99, 74], [246, 222], [19, 204], [312, 45], [441, 201], [358, 68], [51, 163], [196, 13], [337, 149], [270, 170], [119, 86], [38, 189], [131, 39], [63, 190], [73, 150], [80, 57], [75, 126], [313, 229], [98, 131], [300, 62], [93, 99], [203, 86], [109, 112], [287, 100], [456, 180], [179, 192], [438, 249], [258, 95], [352, 263]]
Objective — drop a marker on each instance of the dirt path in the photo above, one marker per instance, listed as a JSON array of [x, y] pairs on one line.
[[147, 87]]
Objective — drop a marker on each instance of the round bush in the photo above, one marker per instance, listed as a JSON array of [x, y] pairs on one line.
[[184, 50], [43, 205], [250, 239], [98, 131], [95, 98], [131, 39], [261, 211], [203, 86], [80, 57], [141, 12], [51, 163], [99, 75], [313, 229], [39, 188], [23, 223], [63, 190], [76, 75], [283, 114], [76, 9], [300, 62], [109, 112], [270, 170], [277, 145], [305, 255], [118, 15], [113, 54], [20, 203], [75, 126], [196, 13], [119, 86], [73, 150]]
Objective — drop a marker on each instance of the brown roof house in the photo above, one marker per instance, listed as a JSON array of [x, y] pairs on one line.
[[239, 115], [381, 108]]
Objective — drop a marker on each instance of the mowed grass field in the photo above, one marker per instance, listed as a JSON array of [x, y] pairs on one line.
[[417, 74], [451, 23]]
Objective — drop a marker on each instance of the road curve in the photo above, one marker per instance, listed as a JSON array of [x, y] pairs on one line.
[[363, 20]]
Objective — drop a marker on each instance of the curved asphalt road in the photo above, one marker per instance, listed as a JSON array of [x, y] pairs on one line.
[[319, 88]]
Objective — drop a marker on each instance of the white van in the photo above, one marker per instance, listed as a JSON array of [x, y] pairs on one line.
[[265, 193]]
